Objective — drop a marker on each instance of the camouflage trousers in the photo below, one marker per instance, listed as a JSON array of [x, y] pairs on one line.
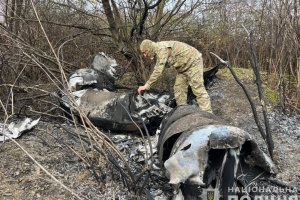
[[193, 77]]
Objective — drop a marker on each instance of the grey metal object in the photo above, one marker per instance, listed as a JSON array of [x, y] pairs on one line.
[[189, 155], [104, 63], [181, 119], [196, 148], [119, 111], [93, 91], [100, 75], [90, 78], [17, 128]]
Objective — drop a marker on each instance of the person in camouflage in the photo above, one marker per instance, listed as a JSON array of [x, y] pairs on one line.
[[189, 66]]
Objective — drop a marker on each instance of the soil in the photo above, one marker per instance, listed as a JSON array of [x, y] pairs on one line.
[[53, 147]]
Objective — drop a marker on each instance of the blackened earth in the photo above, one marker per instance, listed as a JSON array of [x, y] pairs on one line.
[[51, 145]]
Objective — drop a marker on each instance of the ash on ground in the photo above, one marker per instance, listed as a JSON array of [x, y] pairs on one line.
[[53, 147]]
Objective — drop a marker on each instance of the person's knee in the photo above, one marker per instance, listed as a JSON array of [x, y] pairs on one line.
[[199, 91], [180, 96]]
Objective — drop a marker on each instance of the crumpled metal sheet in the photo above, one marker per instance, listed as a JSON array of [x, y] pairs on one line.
[[225, 137], [100, 75], [92, 90], [189, 154], [82, 77], [117, 111], [180, 119], [90, 78], [186, 137], [17, 128], [105, 64]]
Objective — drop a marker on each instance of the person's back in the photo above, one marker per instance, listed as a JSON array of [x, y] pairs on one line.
[[189, 66], [181, 56]]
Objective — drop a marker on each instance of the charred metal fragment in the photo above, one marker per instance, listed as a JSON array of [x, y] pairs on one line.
[[93, 91], [197, 149], [93, 88], [16, 128], [209, 75], [90, 78], [105, 64], [177, 121], [100, 75], [110, 110]]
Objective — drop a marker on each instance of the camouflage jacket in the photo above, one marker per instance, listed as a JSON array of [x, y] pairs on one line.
[[173, 54]]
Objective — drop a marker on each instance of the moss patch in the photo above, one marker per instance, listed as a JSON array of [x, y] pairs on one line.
[[242, 73], [247, 77], [271, 96]]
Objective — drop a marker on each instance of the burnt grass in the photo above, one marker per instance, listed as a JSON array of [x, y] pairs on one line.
[[53, 147]]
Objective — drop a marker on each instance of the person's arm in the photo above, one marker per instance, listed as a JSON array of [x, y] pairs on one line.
[[162, 58]]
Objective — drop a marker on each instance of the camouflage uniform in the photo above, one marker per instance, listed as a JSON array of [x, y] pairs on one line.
[[189, 66]]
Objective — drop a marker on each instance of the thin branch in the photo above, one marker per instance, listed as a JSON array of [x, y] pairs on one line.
[[247, 95], [255, 67], [41, 167]]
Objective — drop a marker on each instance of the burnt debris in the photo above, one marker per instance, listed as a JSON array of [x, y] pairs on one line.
[[198, 150]]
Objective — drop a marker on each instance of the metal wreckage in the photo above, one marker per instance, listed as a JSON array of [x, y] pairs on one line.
[[16, 128], [196, 149]]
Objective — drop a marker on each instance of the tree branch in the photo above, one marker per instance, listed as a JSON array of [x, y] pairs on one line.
[[255, 67], [255, 115]]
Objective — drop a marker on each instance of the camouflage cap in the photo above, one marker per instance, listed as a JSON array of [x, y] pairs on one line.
[[146, 45]]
